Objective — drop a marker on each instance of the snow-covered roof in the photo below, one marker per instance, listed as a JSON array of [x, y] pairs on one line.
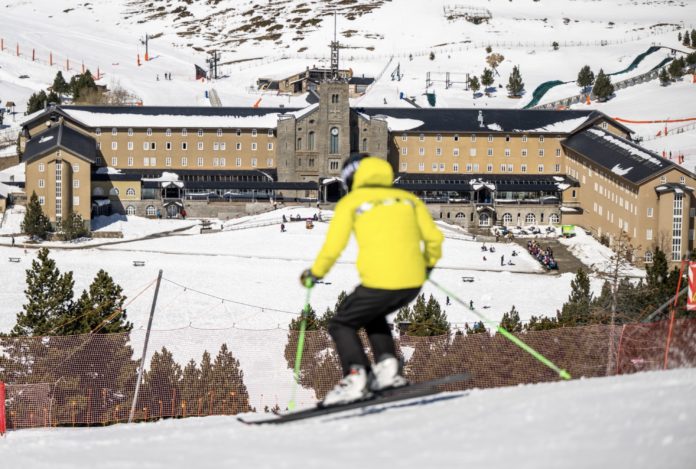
[[224, 120], [165, 177], [108, 170]]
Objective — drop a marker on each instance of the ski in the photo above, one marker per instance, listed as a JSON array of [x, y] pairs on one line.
[[411, 391]]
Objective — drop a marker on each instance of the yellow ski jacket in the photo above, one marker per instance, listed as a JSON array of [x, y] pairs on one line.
[[397, 238]]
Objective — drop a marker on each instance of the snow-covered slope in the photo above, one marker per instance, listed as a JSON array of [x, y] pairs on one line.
[[645, 420]]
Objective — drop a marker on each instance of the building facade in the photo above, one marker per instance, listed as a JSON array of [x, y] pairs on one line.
[[475, 168]]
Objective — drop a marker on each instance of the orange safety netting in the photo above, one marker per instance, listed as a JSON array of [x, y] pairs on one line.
[[90, 379]]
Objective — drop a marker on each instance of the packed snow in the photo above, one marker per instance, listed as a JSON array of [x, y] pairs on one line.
[[640, 421]]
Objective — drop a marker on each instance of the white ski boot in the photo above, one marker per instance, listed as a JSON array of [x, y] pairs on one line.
[[352, 387], [385, 374]]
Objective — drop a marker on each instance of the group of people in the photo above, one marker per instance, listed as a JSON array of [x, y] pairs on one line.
[[167, 76], [545, 256], [309, 221]]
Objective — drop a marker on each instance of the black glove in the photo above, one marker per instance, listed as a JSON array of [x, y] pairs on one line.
[[308, 279], [428, 270]]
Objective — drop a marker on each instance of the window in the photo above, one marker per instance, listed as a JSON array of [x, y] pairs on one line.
[[113, 191], [223, 146], [153, 161], [42, 183], [404, 137], [489, 168], [605, 125], [253, 146], [42, 200], [421, 137], [363, 147], [455, 167], [490, 138], [541, 139], [114, 145], [421, 166], [455, 152], [503, 168], [472, 151], [184, 161], [541, 152], [130, 192], [238, 132], [223, 161], [333, 144], [146, 161], [558, 152], [253, 132], [438, 151], [434, 167], [650, 212], [648, 256], [523, 168], [530, 219], [507, 152], [238, 146], [334, 98], [130, 146], [99, 160], [298, 144], [219, 132], [150, 211], [468, 168], [97, 131], [573, 193], [168, 132], [114, 161], [114, 131], [130, 161], [238, 162], [168, 146], [42, 167], [153, 146], [270, 132], [438, 138], [540, 168], [473, 137], [200, 145], [554, 219], [199, 161], [404, 166], [649, 234], [442, 166], [76, 168], [184, 132], [489, 152], [663, 179], [507, 219], [200, 132], [334, 165], [456, 138], [98, 192], [184, 146], [146, 146], [98, 145], [254, 162], [484, 219], [524, 152], [476, 167], [168, 161], [510, 168], [557, 168], [682, 179]]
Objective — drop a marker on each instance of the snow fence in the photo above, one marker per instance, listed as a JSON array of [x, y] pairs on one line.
[[90, 380]]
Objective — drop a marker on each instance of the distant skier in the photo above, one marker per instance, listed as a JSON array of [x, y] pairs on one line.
[[447, 301], [389, 225], [502, 259], [282, 227], [13, 241]]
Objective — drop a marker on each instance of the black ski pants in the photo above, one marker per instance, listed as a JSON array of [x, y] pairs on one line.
[[368, 308]]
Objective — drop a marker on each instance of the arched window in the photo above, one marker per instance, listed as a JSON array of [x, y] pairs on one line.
[[298, 145], [310, 141], [150, 211], [113, 191], [333, 145], [98, 191], [460, 215], [554, 219], [364, 145], [130, 192], [484, 219], [648, 256], [530, 219], [130, 210], [507, 219]]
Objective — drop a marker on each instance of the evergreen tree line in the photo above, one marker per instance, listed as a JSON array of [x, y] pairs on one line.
[[688, 38], [37, 225], [676, 69], [601, 84], [78, 89], [83, 347]]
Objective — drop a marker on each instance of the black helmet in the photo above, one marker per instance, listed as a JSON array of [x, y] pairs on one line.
[[350, 166]]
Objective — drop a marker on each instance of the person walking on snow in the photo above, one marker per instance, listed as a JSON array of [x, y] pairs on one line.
[[390, 226]]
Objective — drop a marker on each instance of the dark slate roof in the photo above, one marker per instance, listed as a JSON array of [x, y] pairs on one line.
[[61, 137], [494, 120], [617, 155], [181, 110], [361, 80], [256, 185], [464, 182]]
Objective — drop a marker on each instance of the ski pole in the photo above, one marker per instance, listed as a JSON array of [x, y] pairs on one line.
[[300, 344], [515, 340]]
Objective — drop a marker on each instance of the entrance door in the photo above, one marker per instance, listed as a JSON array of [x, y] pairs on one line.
[[172, 210]]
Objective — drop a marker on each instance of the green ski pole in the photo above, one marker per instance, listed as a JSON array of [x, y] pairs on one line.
[[300, 345], [515, 340]]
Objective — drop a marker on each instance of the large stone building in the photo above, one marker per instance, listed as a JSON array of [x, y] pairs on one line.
[[473, 167]]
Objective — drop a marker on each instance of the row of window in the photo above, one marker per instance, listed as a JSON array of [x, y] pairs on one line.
[[151, 161], [75, 202], [619, 200], [455, 137], [75, 168], [473, 152], [217, 146], [530, 219], [474, 167], [184, 132], [98, 192]]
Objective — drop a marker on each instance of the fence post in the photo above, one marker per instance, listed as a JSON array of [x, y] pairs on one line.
[[3, 424], [147, 338]]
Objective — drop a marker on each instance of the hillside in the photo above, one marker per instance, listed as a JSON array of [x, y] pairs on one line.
[[639, 421]]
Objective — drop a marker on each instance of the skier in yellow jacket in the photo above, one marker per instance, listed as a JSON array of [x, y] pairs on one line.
[[398, 246]]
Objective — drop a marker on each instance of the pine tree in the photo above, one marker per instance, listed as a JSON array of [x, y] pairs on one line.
[[479, 328], [541, 323], [73, 227], [474, 84], [515, 83], [323, 321], [511, 321], [664, 77], [228, 379], [312, 321], [693, 38], [59, 83], [585, 77], [163, 379], [487, 78], [576, 311], [190, 382], [49, 298], [35, 223], [36, 102], [679, 36], [687, 40], [426, 319], [99, 309], [52, 97], [676, 69], [554, 44], [691, 59], [431, 55], [603, 87]]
